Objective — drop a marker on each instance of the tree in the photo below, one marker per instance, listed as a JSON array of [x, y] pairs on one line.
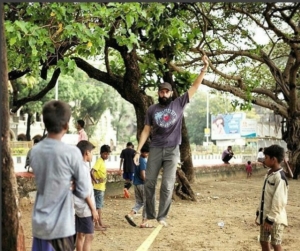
[[142, 44], [123, 33], [265, 74], [12, 237]]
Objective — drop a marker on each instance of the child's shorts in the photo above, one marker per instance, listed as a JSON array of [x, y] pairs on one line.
[[66, 244], [99, 198], [84, 225], [128, 176], [275, 236]]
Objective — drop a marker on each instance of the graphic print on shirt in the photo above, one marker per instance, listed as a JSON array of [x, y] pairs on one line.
[[165, 118]]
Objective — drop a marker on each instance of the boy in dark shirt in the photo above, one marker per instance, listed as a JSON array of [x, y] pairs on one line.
[[138, 182]]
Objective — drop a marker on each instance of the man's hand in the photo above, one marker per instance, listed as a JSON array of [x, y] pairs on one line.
[[136, 159], [205, 61]]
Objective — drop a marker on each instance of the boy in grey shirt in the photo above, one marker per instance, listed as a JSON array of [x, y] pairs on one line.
[[55, 165]]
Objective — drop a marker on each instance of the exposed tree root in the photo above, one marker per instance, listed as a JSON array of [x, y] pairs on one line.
[[182, 187]]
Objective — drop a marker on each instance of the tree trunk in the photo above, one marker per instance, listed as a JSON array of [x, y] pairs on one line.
[[186, 155], [182, 187], [293, 144], [29, 117], [12, 232], [185, 175]]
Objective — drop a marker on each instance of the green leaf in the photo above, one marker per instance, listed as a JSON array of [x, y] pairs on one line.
[[31, 41], [129, 20], [22, 26], [71, 65], [12, 41]]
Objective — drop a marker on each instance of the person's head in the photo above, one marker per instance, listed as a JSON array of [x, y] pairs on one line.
[[86, 149], [219, 120], [145, 151], [260, 149], [36, 140], [105, 152], [56, 116], [129, 144], [229, 148], [274, 155], [249, 162], [165, 93], [80, 124]]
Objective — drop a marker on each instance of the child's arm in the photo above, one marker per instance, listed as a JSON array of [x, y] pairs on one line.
[[94, 180], [121, 163], [143, 175], [289, 172], [93, 209], [143, 166]]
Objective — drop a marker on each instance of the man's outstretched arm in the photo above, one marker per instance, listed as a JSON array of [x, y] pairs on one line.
[[199, 79], [144, 136]]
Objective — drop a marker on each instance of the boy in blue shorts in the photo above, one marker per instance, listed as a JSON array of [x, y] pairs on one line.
[[55, 165], [85, 210], [271, 214], [138, 182], [99, 177]]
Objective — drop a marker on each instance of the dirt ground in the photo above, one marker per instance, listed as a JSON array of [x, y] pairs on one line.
[[193, 226]]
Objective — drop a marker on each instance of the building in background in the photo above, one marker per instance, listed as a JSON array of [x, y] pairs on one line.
[[103, 134]]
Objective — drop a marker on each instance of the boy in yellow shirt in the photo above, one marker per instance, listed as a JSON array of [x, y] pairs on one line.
[[98, 174]]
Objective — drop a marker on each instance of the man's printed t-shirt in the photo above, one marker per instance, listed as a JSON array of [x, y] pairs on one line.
[[166, 122]]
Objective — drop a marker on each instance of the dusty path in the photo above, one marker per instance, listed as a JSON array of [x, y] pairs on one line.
[[193, 226]]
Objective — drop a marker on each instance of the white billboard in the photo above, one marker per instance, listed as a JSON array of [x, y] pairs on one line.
[[232, 126]]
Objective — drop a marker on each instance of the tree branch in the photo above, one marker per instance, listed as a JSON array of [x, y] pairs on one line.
[[277, 108], [17, 74], [19, 103], [110, 79]]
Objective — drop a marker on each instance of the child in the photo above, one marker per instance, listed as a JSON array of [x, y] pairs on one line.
[[249, 169], [126, 160], [35, 141], [138, 182], [98, 174], [55, 164], [85, 210], [271, 211]]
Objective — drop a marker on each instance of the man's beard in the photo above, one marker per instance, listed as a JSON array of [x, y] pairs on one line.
[[164, 100]]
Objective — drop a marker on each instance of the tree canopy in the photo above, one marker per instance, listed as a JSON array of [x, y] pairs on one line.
[[142, 44]]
